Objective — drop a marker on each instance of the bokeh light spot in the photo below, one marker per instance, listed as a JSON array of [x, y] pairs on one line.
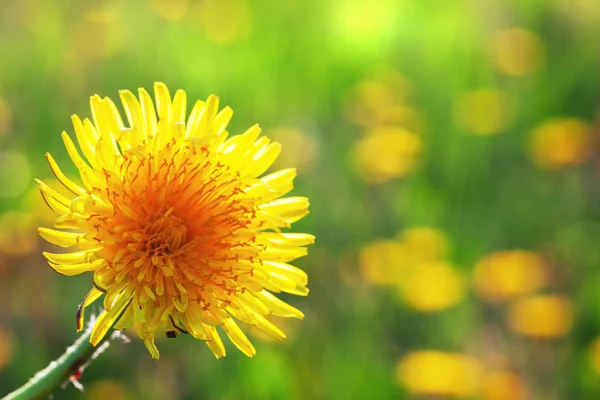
[[482, 111], [560, 143], [504, 385], [506, 274], [386, 153], [541, 316], [15, 182], [433, 287], [298, 149], [516, 51], [436, 373]]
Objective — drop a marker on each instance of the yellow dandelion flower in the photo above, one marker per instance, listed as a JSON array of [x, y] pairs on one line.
[[482, 111], [174, 221], [435, 373], [432, 286], [424, 244], [386, 153], [560, 143], [505, 274], [541, 316], [594, 354], [381, 262], [503, 384], [516, 51]]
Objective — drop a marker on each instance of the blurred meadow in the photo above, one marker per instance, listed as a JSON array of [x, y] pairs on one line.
[[451, 153]]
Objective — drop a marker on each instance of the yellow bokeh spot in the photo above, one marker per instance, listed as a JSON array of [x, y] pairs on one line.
[[424, 244], [516, 51], [15, 174], [386, 153], [172, 10], [225, 21], [432, 287], [17, 233], [106, 389], [506, 274], [5, 117], [541, 316], [560, 143], [100, 27], [436, 373], [382, 101], [7, 344], [381, 262], [298, 149], [482, 111], [595, 355], [504, 385]]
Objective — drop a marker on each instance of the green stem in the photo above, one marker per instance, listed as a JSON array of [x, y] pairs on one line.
[[57, 372]]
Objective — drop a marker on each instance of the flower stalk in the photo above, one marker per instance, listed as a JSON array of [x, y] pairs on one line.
[[66, 368]]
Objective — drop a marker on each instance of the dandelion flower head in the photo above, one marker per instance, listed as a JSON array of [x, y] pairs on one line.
[[177, 222]]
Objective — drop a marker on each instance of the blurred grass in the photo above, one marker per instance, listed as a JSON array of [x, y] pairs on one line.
[[299, 67]]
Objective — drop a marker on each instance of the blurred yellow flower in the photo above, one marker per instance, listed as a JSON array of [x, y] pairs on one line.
[[560, 143], [7, 349], [595, 355], [172, 10], [386, 153], [503, 385], [482, 111], [516, 51], [435, 373], [541, 316], [106, 389], [506, 274], [5, 117], [16, 181], [432, 286], [100, 27], [16, 233], [176, 224], [382, 102], [381, 262], [298, 149], [225, 21], [424, 244]]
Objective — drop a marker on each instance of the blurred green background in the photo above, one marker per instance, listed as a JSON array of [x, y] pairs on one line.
[[450, 152]]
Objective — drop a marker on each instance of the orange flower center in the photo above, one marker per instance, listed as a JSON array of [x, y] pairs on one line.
[[177, 227]]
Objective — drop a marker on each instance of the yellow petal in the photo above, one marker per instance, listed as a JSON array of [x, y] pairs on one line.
[[213, 341], [53, 199], [108, 318], [178, 109], [62, 178], [62, 239], [283, 254], [290, 209], [87, 138], [263, 158], [152, 347], [278, 307], [76, 269], [89, 298], [282, 268], [239, 339], [79, 257], [163, 101], [267, 326]]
